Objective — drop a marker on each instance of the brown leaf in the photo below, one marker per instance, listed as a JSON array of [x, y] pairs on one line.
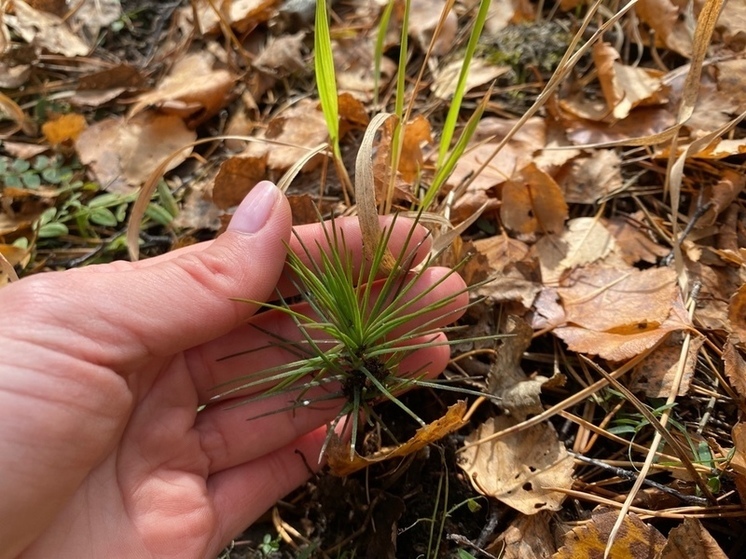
[[519, 469], [354, 61], [338, 454], [179, 93], [481, 72], [296, 130], [45, 30], [621, 301], [423, 19], [721, 195], [513, 273], [282, 56], [527, 537], [622, 312], [584, 241], [236, 177], [241, 15], [532, 202], [691, 540], [518, 153], [118, 76], [635, 539], [624, 87], [655, 375], [416, 134], [734, 367], [123, 153], [737, 314], [587, 179], [663, 17], [634, 245]]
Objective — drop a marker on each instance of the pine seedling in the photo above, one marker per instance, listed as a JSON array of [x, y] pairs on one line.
[[355, 332]]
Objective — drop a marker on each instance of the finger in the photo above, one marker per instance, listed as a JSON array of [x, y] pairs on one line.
[[309, 241], [253, 347], [165, 308], [231, 435]]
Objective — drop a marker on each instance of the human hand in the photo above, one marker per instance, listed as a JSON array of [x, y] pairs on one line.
[[102, 450]]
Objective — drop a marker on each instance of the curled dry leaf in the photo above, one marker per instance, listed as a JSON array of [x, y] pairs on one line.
[[519, 469], [514, 274], [533, 203], [179, 93], [45, 30], [625, 87], [635, 539], [122, 153], [668, 22], [338, 453], [519, 394], [734, 367]]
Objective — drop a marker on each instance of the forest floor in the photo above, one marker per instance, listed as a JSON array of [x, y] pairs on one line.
[[605, 190]]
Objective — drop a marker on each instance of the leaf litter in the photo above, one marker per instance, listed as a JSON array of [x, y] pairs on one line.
[[604, 242]]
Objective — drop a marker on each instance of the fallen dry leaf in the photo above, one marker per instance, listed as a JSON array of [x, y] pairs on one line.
[[235, 178], [584, 241], [634, 244], [519, 394], [669, 23], [423, 19], [480, 72], [737, 314], [294, 132], [625, 87], [355, 65], [635, 539], [720, 196], [617, 313], [589, 178], [519, 469], [241, 15], [122, 153], [732, 24], [655, 375], [45, 30], [95, 15], [691, 540], [338, 453], [180, 94], [532, 202], [527, 537], [734, 367], [282, 56]]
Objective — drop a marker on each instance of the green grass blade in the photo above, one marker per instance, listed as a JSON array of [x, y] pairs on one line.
[[451, 120], [326, 78]]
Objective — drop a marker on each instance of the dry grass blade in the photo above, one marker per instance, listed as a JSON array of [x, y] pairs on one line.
[[365, 196], [16, 114]]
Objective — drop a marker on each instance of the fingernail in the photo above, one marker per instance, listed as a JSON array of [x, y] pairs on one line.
[[253, 213]]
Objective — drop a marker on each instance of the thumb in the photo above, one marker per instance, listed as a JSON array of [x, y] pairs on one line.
[[167, 307]]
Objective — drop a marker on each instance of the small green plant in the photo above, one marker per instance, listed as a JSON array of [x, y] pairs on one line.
[[354, 333], [269, 545]]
